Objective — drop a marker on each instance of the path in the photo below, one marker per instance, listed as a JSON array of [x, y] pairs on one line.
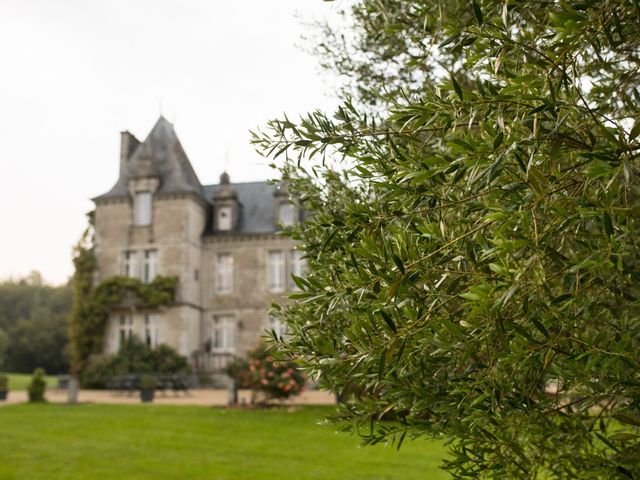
[[204, 397]]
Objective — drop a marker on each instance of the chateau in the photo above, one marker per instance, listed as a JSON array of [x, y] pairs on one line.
[[220, 241]]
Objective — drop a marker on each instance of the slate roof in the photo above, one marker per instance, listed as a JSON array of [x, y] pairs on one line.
[[162, 154], [257, 207]]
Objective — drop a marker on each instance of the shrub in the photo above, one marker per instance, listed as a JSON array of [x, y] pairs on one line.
[[134, 357], [37, 386], [263, 374], [4, 382]]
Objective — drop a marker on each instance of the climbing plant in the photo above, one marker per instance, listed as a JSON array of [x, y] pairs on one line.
[[93, 303]]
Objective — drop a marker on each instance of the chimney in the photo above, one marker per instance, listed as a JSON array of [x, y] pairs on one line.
[[128, 144]]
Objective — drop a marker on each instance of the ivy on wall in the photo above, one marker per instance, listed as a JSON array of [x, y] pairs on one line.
[[93, 304]]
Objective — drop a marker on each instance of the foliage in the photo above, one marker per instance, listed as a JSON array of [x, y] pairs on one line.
[[4, 343], [475, 262], [261, 372], [134, 356], [33, 325], [4, 382], [93, 304], [85, 328], [46, 442], [37, 387]]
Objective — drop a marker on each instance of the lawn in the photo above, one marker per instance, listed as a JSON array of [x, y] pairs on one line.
[[20, 381], [168, 442]]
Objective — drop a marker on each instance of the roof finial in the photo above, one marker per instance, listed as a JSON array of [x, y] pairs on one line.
[[224, 178], [226, 158], [160, 106]]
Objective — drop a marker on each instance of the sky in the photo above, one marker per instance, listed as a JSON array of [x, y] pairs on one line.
[[75, 73]]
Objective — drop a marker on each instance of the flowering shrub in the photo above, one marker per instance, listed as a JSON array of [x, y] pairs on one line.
[[263, 374]]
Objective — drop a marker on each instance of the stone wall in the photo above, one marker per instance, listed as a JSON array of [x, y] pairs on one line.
[[176, 233]]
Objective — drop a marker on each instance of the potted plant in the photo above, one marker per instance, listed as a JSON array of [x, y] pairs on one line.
[[147, 388], [4, 386]]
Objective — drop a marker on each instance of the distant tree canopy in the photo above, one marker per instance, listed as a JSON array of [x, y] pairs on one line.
[[33, 325], [475, 268]]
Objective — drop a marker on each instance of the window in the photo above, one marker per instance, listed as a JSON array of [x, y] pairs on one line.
[[150, 266], [151, 327], [277, 326], [224, 334], [297, 267], [130, 264], [287, 214], [224, 218], [276, 271], [126, 328], [142, 209], [224, 273]]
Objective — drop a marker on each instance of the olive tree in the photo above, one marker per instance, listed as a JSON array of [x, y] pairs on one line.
[[474, 246]]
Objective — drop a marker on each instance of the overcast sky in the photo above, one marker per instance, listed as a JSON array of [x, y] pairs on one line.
[[77, 72]]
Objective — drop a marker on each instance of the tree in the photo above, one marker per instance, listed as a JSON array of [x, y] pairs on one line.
[[33, 319], [474, 260]]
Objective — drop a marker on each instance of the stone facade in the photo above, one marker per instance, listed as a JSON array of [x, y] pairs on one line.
[[221, 242]]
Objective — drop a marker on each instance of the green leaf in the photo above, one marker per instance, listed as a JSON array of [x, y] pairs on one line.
[[624, 436], [449, 40], [521, 163], [588, 263], [635, 130], [607, 224], [561, 298], [381, 364], [477, 12], [456, 87], [538, 324], [598, 169], [505, 14], [497, 141], [628, 419], [474, 297], [453, 328], [387, 318], [398, 263], [606, 441]]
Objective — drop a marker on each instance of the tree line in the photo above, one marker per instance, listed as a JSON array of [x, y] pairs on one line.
[[34, 325]]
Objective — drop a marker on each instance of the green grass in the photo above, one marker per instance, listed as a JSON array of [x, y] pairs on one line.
[[169, 442], [20, 381]]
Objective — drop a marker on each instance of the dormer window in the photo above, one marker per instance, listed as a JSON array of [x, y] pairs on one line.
[[226, 208], [142, 209], [287, 213], [224, 218]]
